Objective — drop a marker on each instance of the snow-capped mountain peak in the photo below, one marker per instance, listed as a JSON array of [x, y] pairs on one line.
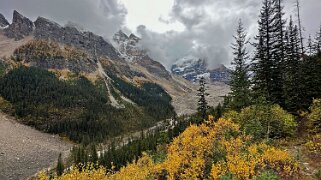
[[189, 67], [193, 68], [127, 46], [129, 49]]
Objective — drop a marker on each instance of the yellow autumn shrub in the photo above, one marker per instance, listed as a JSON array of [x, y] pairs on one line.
[[86, 173], [136, 170], [208, 151], [314, 145]]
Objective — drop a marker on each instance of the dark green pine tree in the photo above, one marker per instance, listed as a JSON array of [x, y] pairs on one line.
[[202, 94], [240, 84], [263, 63], [60, 166], [311, 74], [317, 43], [93, 154], [310, 49], [292, 83], [270, 54], [278, 52], [218, 111]]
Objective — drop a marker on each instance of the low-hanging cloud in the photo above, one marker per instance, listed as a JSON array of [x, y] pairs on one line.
[[103, 17], [209, 26]]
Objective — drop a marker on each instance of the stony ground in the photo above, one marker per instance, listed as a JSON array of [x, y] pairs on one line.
[[186, 103], [24, 151]]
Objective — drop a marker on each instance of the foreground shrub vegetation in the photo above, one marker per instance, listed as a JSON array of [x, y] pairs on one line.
[[211, 150], [264, 121]]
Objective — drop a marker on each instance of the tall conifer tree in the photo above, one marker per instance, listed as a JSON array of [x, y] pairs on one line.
[[202, 103], [292, 85], [263, 61], [310, 49], [240, 95], [317, 43], [278, 52], [270, 53], [60, 165]]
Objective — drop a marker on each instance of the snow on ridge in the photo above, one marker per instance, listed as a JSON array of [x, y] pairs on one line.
[[205, 75], [190, 59]]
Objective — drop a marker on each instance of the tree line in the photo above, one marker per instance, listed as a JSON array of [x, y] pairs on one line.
[[282, 70], [78, 108]]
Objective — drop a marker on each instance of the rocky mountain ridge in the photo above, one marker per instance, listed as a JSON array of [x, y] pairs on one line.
[[46, 29], [20, 27]]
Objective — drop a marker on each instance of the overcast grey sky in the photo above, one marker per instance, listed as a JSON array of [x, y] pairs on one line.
[[170, 29]]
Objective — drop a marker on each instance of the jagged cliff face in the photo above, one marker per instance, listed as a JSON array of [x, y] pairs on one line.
[[93, 44], [20, 27], [129, 49], [127, 46], [43, 28]]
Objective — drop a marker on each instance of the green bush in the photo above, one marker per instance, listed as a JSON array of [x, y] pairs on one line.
[[268, 175], [264, 121], [314, 118]]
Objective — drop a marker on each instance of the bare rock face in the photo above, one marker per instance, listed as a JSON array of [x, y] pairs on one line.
[[3, 21], [153, 67], [93, 44], [20, 27]]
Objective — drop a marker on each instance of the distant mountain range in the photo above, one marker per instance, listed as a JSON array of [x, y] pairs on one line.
[[192, 68]]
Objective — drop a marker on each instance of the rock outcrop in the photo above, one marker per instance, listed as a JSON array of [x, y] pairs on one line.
[[153, 67], [3, 21], [220, 74], [20, 27]]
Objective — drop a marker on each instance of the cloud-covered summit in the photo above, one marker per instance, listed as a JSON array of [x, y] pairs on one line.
[[210, 24]]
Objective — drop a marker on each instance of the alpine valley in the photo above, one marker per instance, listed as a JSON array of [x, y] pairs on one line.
[[62, 86], [160, 90]]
